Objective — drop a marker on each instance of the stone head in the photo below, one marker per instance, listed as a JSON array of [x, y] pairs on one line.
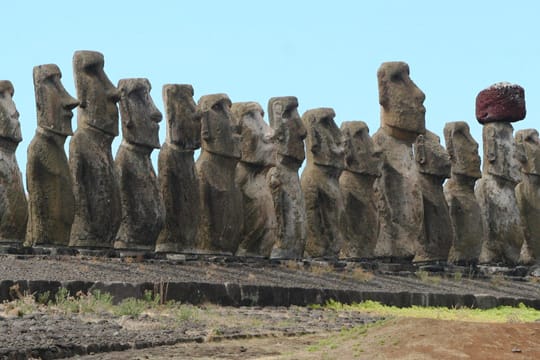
[[53, 103], [430, 155], [10, 128], [183, 120], [257, 145], [218, 133], [361, 154], [288, 127], [462, 149], [140, 116], [96, 94], [323, 141], [501, 155], [528, 145], [402, 102]]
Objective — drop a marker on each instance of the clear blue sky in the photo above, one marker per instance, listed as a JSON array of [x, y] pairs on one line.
[[324, 52]]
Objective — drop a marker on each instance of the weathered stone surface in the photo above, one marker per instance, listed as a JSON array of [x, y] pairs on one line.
[[528, 192], [95, 187], [398, 190], [177, 176], [289, 204], [362, 167], [48, 179], [459, 192], [402, 102], [221, 221], [434, 166], [320, 184], [142, 210], [500, 102], [13, 206], [496, 197], [258, 156]]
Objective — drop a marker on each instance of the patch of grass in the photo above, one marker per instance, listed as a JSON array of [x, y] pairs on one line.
[[346, 334], [497, 280], [426, 277], [130, 307], [501, 314], [361, 275]]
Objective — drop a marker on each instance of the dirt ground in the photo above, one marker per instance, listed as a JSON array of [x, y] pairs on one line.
[[398, 338]]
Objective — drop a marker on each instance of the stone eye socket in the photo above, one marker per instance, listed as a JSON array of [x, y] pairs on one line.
[[396, 77], [216, 107]]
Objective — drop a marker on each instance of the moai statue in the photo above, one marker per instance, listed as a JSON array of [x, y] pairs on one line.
[[464, 210], [398, 190], [95, 187], [258, 156], [177, 176], [50, 189], [13, 206], [289, 205], [320, 184], [362, 167], [528, 193], [496, 107], [221, 222], [433, 165], [140, 199]]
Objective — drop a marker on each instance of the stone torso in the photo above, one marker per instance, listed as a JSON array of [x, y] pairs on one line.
[[324, 206], [51, 201], [502, 223], [528, 200], [259, 217], [466, 221], [361, 224], [289, 207], [399, 199], [221, 204], [180, 192], [97, 214], [142, 215], [13, 205]]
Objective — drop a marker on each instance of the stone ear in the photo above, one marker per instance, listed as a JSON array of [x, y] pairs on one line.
[[450, 145], [315, 141], [420, 150], [491, 145]]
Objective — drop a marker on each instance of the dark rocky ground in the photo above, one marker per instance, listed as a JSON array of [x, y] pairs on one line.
[[49, 334], [225, 281]]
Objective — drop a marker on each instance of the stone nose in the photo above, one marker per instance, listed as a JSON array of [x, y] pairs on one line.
[[156, 116], [70, 103], [114, 94]]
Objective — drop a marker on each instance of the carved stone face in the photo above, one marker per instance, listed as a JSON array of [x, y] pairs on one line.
[[183, 120], [431, 157], [10, 128], [401, 100], [96, 93], [53, 103], [287, 124], [361, 155], [529, 144], [462, 149], [140, 116], [324, 138], [257, 145], [501, 155], [218, 133]]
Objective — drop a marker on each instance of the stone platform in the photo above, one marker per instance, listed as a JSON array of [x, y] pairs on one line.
[[258, 282]]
